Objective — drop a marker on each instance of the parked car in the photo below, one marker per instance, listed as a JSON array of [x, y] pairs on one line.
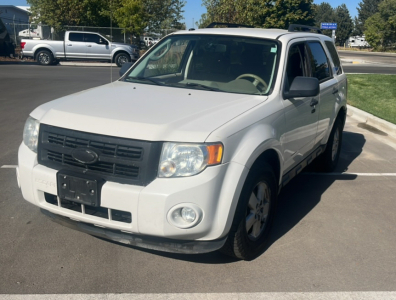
[[148, 40], [79, 45], [358, 41], [188, 150]]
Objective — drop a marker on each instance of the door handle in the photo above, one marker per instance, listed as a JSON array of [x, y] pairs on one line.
[[69, 45], [335, 91], [314, 102], [89, 45]]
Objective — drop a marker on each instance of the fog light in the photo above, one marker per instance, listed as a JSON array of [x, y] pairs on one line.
[[185, 215], [188, 214]]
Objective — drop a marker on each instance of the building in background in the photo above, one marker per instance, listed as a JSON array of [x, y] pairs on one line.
[[14, 18]]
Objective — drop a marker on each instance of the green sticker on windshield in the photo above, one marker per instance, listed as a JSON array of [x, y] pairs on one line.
[[273, 50]]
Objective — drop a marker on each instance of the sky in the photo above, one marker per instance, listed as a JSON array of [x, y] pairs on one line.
[[193, 8]]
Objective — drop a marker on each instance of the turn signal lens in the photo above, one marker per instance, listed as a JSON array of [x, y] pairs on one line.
[[215, 154]]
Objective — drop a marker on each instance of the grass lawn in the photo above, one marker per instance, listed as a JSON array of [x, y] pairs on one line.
[[373, 93]]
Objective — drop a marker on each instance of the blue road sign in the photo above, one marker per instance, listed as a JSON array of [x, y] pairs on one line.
[[332, 26]]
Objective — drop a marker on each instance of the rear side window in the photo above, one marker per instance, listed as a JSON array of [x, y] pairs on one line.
[[76, 37], [92, 38], [334, 57], [319, 63]]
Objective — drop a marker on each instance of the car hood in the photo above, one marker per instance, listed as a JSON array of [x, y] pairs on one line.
[[146, 112]]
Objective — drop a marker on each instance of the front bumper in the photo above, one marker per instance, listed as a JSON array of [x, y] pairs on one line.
[[215, 191], [147, 242], [134, 57]]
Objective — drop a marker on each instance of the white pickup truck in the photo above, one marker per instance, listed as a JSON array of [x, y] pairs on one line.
[[79, 45], [188, 150]]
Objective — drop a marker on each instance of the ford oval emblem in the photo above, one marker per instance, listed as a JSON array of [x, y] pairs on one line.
[[85, 155]]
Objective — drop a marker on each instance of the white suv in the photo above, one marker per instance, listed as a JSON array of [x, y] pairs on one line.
[[189, 149]]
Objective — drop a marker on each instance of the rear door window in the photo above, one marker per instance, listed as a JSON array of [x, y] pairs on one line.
[[334, 57], [319, 62], [76, 37]]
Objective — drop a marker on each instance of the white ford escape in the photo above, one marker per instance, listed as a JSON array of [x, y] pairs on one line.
[[189, 149]]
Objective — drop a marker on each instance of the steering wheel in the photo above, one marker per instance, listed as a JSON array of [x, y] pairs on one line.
[[161, 55], [256, 81]]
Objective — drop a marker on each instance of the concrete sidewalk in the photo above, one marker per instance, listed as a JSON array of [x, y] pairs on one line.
[[371, 120], [87, 64]]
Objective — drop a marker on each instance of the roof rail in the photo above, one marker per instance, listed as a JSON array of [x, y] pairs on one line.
[[228, 25], [305, 28]]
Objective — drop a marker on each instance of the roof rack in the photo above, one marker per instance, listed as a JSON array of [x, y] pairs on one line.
[[304, 28], [228, 25]]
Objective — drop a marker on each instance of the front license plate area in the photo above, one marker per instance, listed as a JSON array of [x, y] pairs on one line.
[[80, 188]]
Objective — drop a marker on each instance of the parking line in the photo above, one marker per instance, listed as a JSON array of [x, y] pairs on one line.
[[353, 174], [214, 296], [9, 167]]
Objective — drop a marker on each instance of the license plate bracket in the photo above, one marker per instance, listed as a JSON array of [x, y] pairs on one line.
[[80, 188]]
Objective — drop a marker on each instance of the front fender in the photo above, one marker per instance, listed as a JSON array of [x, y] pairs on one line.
[[247, 145]]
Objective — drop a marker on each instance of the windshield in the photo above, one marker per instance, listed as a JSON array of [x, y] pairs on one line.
[[209, 62]]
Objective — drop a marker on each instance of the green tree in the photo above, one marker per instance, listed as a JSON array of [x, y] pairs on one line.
[[260, 13], [324, 13], [62, 13], [203, 22], [132, 16], [286, 12], [344, 24], [163, 14], [366, 9], [381, 27]]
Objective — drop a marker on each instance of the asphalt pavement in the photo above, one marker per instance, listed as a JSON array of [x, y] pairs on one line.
[[333, 233], [368, 62]]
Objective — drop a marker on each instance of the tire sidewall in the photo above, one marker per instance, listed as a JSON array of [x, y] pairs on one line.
[[329, 164], [118, 56], [256, 175], [50, 58]]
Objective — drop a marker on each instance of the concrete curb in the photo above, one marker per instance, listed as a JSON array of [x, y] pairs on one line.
[[88, 64], [372, 120]]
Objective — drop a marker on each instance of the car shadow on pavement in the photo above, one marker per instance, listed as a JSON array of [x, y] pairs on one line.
[[18, 62], [295, 201], [305, 191]]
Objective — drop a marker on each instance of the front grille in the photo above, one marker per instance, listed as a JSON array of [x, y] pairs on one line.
[[120, 160]]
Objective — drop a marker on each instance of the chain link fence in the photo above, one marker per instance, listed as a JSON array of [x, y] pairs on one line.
[[21, 31]]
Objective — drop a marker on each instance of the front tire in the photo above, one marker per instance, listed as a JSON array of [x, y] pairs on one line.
[[122, 58], [254, 214], [45, 58], [329, 159]]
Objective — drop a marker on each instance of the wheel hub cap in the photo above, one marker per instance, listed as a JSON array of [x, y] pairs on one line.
[[258, 209]]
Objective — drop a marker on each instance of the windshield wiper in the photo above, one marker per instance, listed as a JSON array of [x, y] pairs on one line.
[[191, 84], [144, 79]]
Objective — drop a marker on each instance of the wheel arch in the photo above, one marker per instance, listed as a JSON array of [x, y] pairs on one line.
[[271, 157], [118, 52], [36, 51], [342, 113]]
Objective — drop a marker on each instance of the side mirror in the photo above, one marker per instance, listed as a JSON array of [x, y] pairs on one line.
[[303, 87], [125, 68]]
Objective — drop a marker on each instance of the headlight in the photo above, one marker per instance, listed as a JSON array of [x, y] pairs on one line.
[[30, 133], [180, 160]]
